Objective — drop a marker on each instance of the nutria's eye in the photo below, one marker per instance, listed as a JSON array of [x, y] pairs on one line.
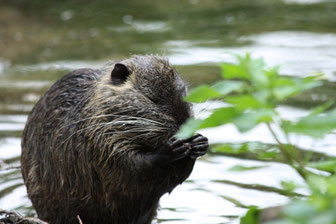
[[119, 74]]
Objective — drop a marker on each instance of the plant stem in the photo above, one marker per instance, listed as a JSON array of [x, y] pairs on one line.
[[296, 153], [235, 202], [299, 169], [260, 187]]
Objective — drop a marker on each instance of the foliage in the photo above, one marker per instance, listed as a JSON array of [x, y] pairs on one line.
[[251, 216], [252, 97], [320, 206], [250, 93]]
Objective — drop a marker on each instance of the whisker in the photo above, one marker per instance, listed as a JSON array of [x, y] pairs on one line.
[[113, 115], [140, 123], [81, 130]]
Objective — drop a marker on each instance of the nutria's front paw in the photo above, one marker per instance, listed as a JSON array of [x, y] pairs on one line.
[[199, 146], [174, 149], [192, 147], [177, 149]]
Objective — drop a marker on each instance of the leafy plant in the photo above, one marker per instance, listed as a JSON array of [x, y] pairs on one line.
[[249, 95]]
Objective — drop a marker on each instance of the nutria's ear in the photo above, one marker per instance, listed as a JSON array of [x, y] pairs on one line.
[[119, 74]]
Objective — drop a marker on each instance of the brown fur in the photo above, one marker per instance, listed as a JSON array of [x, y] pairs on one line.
[[105, 151]]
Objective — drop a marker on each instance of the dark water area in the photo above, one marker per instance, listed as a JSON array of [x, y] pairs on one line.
[[42, 40]]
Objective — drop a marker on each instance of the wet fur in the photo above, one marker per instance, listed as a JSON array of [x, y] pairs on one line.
[[88, 145]]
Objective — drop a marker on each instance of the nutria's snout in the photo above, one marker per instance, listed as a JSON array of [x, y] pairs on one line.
[[100, 143]]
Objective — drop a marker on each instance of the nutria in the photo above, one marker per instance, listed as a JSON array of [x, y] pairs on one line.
[[100, 143]]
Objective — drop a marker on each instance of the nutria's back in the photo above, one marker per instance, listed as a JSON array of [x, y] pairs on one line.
[[99, 143]]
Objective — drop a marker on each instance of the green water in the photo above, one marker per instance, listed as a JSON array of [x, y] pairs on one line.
[[92, 30], [42, 40]]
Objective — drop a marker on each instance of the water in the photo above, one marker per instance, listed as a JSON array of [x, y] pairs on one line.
[[194, 35], [299, 53]]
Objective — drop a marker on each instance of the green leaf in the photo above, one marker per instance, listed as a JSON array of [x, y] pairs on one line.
[[313, 125], [273, 73], [263, 96], [188, 128], [227, 86], [249, 120], [249, 69], [255, 69], [320, 109], [288, 185], [231, 148], [329, 165], [284, 92], [320, 184], [284, 88], [231, 71], [201, 94], [287, 87], [299, 210], [261, 149], [268, 155], [251, 217], [243, 102], [245, 168], [219, 117]]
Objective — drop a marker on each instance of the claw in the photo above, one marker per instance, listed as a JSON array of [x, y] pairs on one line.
[[200, 147], [199, 144], [173, 142], [200, 139], [178, 148], [196, 154], [205, 143], [182, 148]]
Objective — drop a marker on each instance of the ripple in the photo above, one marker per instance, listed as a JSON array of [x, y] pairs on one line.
[[298, 53], [303, 1], [60, 65]]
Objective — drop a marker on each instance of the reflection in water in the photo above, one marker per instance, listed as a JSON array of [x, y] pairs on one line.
[[59, 65], [13, 195], [304, 1], [3, 65], [298, 53]]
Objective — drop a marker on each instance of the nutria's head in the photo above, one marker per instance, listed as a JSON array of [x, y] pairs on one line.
[[138, 101]]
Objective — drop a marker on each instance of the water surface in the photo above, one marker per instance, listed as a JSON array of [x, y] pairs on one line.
[[42, 40]]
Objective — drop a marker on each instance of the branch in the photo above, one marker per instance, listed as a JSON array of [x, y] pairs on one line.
[[299, 169], [262, 188]]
